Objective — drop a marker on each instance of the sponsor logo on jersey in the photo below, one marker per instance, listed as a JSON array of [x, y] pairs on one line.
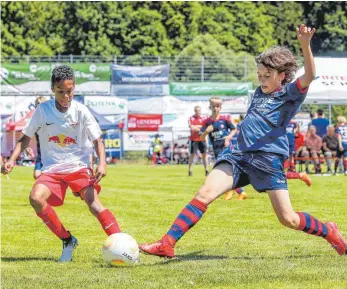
[[62, 140]]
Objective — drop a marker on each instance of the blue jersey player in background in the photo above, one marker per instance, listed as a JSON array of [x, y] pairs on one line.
[[220, 131], [291, 130], [341, 132], [261, 149]]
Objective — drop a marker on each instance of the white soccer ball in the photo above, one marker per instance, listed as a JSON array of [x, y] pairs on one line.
[[120, 250]]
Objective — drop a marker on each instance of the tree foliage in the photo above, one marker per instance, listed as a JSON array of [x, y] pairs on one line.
[[165, 28]]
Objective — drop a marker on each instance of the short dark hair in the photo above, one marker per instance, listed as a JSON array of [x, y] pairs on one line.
[[62, 72], [281, 59], [320, 111]]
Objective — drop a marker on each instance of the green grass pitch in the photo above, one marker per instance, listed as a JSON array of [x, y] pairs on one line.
[[237, 244]]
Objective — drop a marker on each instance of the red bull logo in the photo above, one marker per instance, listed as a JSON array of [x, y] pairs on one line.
[[62, 140]]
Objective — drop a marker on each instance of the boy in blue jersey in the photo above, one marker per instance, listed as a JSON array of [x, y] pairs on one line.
[[341, 132], [261, 149], [220, 131]]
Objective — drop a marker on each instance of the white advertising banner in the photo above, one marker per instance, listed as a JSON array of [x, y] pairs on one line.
[[17, 105], [141, 140], [107, 104]]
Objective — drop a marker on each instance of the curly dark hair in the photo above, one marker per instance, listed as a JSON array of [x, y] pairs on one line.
[[62, 72], [281, 59]]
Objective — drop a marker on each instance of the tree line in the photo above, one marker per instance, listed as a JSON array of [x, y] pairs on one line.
[[167, 28]]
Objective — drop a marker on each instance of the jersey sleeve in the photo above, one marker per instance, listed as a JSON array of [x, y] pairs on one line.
[[230, 125], [92, 128], [34, 124], [295, 91]]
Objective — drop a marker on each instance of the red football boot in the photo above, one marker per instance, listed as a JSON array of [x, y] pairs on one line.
[[336, 239], [161, 248]]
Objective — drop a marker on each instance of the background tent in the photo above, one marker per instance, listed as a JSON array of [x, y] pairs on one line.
[[330, 84], [105, 122]]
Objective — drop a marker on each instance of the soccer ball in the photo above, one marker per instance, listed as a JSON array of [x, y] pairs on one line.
[[120, 250]]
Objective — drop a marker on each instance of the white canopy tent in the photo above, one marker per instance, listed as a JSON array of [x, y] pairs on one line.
[[330, 85]]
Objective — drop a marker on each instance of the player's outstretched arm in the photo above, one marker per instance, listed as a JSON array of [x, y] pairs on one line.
[[304, 35], [21, 145], [100, 151]]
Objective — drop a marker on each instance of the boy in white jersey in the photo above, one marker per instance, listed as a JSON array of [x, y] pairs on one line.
[[66, 129]]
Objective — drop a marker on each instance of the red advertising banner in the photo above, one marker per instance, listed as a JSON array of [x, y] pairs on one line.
[[144, 122]]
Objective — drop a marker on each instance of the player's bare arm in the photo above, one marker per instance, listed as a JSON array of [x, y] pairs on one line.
[[304, 35], [100, 171], [195, 128], [21, 145], [208, 130]]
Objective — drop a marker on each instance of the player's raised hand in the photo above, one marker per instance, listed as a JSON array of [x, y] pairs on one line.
[[209, 128], [304, 34], [7, 167], [100, 172]]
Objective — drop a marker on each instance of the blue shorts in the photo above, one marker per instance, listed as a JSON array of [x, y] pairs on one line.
[[38, 166], [263, 170]]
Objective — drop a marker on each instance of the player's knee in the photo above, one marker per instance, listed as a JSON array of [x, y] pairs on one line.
[[305, 153], [205, 194], [36, 198], [288, 220]]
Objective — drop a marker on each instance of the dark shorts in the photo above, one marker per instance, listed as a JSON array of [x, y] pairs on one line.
[[340, 154], [197, 145], [218, 148], [264, 171]]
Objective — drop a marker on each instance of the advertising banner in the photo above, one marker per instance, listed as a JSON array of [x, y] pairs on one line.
[[106, 105], [158, 74], [113, 143], [35, 78], [210, 88], [141, 140], [144, 122]]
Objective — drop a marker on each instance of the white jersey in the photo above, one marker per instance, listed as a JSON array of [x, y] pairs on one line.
[[65, 138]]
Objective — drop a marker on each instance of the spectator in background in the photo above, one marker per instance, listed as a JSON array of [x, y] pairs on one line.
[[313, 146], [38, 164], [195, 143], [330, 146], [299, 142], [121, 124], [321, 123], [313, 116]]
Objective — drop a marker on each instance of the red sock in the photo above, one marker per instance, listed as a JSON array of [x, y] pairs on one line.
[[292, 175], [239, 190], [50, 218], [345, 164], [108, 222]]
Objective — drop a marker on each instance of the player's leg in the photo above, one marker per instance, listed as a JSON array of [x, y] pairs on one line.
[[203, 150], [193, 146], [105, 216], [305, 222], [345, 161], [219, 180], [38, 198], [41, 198]]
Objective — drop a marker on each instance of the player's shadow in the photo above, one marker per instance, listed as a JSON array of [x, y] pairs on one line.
[[194, 256], [27, 259]]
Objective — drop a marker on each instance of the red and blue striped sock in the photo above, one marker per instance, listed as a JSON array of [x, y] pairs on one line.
[[239, 190], [188, 217], [311, 225]]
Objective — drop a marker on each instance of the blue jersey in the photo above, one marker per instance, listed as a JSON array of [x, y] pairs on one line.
[[221, 129], [321, 125], [290, 132], [342, 131], [264, 127]]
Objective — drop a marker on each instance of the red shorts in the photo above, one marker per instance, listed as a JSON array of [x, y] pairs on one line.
[[58, 183]]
